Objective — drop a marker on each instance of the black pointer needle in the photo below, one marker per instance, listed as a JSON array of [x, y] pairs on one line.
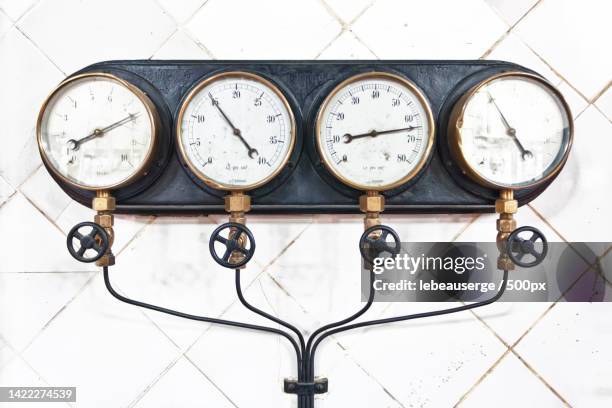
[[510, 131], [101, 132], [348, 138], [235, 130]]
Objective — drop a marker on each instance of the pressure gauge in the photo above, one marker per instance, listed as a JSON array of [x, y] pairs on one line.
[[235, 131], [375, 131], [97, 131], [511, 131]]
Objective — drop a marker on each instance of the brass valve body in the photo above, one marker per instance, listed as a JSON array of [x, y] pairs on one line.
[[506, 206], [105, 204]]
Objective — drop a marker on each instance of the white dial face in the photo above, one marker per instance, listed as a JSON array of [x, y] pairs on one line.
[[236, 131], [515, 131], [95, 132], [374, 131]]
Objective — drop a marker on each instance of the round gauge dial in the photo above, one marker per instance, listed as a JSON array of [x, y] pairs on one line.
[[375, 131], [97, 131], [235, 131], [511, 131]]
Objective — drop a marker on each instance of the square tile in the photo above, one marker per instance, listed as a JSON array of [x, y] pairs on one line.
[[575, 203], [22, 63], [96, 30], [574, 43], [183, 386], [280, 30], [569, 349], [533, 392], [99, 340], [38, 297], [393, 29], [45, 193]]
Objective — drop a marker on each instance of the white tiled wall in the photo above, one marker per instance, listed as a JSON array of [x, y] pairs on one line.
[[58, 326]]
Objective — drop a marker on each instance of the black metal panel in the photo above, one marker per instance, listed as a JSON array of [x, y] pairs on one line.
[[304, 186]]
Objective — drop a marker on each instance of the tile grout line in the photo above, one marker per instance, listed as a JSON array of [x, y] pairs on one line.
[[510, 28], [18, 28], [480, 380], [563, 79]]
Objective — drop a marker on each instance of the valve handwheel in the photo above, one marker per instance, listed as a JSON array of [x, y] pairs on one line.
[[373, 242], [239, 245], [518, 247], [95, 240]]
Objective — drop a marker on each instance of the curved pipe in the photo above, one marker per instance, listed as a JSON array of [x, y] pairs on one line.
[[200, 318]]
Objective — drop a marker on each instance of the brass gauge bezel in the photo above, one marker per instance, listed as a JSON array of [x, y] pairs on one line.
[[201, 85], [456, 120], [420, 96], [154, 120]]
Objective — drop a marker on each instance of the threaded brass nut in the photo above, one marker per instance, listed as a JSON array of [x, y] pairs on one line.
[[104, 220], [506, 206], [237, 203], [104, 204], [506, 225], [372, 203]]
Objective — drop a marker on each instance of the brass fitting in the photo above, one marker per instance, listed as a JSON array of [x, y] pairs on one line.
[[372, 204], [505, 206], [104, 204], [104, 220], [237, 203]]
